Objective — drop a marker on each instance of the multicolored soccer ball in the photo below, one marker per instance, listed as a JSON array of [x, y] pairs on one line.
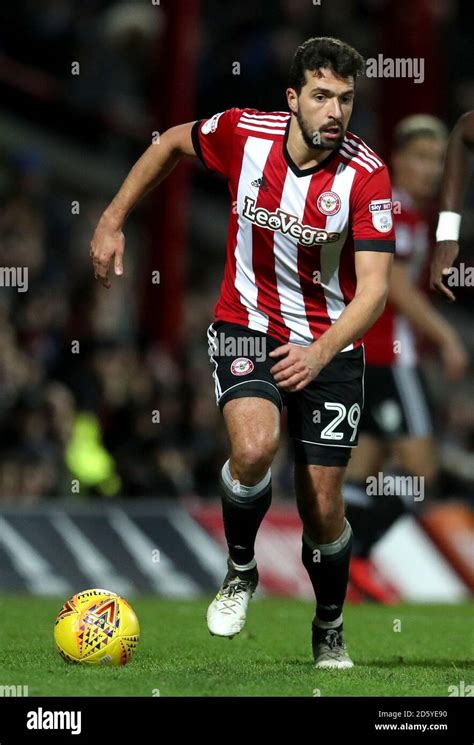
[[97, 627]]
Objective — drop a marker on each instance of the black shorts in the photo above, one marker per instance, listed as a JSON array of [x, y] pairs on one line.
[[396, 403], [323, 418]]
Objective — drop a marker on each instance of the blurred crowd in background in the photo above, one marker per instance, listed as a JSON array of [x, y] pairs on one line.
[[91, 404]]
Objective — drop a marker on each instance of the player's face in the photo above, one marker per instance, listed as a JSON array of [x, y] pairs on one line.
[[418, 167], [323, 108]]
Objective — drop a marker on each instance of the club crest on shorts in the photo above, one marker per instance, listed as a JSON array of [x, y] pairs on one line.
[[241, 366], [329, 203]]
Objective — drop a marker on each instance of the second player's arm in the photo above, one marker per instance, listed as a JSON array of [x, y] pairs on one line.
[[154, 166], [457, 171], [423, 316]]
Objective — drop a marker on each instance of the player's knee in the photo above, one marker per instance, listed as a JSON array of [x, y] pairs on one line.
[[252, 458]]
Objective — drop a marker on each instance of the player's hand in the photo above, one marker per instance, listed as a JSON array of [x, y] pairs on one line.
[[455, 358], [108, 241], [444, 257], [299, 366]]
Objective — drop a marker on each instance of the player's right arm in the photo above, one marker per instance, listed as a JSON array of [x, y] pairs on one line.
[[154, 166], [457, 170]]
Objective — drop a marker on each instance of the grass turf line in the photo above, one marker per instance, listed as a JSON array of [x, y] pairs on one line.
[[270, 657]]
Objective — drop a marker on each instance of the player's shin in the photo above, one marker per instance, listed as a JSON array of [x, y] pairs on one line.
[[328, 568], [244, 508]]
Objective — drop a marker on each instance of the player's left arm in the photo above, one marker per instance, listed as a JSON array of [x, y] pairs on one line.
[[373, 269], [301, 364]]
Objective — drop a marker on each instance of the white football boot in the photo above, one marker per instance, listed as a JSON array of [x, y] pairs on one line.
[[227, 612], [329, 650]]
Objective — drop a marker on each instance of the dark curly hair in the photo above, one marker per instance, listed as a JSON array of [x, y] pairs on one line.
[[324, 51]]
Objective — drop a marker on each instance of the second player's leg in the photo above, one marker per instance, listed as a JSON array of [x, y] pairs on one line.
[[390, 428], [367, 458], [417, 456], [369, 516]]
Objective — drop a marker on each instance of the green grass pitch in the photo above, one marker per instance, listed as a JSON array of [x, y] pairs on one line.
[[271, 657]]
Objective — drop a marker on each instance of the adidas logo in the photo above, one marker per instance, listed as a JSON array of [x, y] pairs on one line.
[[260, 183]]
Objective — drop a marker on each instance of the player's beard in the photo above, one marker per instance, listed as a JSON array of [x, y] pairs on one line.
[[315, 139]]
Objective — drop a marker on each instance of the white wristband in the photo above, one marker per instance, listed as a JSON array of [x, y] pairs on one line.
[[448, 226]]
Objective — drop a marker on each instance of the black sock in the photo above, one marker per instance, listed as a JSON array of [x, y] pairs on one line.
[[328, 569], [370, 517], [242, 518]]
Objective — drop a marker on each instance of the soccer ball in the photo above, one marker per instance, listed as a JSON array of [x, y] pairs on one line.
[[96, 627]]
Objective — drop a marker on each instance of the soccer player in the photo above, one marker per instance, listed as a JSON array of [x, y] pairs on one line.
[[457, 170], [396, 422], [309, 254]]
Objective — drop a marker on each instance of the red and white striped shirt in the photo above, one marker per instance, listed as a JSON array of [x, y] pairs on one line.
[[292, 232]]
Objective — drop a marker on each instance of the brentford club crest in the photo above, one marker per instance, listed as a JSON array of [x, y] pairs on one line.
[[241, 366], [329, 203]]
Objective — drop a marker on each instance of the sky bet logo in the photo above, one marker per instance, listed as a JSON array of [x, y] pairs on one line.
[[287, 224], [380, 205]]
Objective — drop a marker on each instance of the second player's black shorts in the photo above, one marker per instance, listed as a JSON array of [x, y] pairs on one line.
[[323, 418], [397, 403]]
